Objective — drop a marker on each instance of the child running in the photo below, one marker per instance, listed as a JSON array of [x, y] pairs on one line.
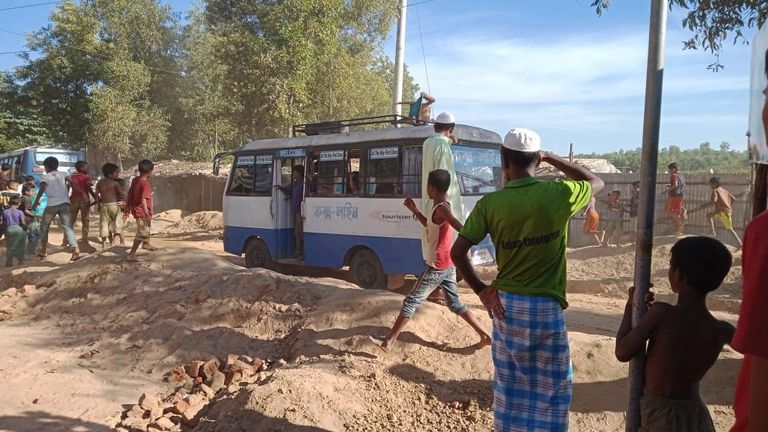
[[108, 193], [723, 202], [615, 218], [15, 237], [54, 186], [28, 192], [592, 222], [675, 210], [80, 198], [439, 271], [139, 201], [684, 340]]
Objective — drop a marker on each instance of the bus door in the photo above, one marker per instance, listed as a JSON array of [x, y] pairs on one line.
[[285, 161]]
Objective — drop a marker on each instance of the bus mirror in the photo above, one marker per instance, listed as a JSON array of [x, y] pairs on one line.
[[216, 166]]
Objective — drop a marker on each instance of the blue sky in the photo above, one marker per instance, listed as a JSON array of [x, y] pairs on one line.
[[554, 66]]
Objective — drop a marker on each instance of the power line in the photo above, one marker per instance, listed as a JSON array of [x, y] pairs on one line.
[[13, 52], [423, 53], [30, 5]]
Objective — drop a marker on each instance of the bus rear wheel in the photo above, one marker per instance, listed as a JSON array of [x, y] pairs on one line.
[[367, 271], [257, 254]]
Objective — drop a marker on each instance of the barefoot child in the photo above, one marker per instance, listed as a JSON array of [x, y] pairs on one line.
[[108, 191], [139, 201], [723, 202], [80, 198], [684, 340], [615, 218], [15, 236], [54, 185], [440, 271], [592, 222], [28, 192]]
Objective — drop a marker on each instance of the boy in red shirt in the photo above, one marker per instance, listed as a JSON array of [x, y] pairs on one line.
[[80, 198], [139, 201], [751, 337], [439, 271], [675, 205]]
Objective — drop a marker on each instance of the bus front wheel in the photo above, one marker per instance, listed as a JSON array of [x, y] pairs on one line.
[[257, 254], [367, 271]]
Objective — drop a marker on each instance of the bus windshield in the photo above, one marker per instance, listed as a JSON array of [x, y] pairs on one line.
[[478, 169], [66, 159]]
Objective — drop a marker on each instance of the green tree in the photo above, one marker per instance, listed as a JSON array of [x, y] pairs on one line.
[[713, 22]]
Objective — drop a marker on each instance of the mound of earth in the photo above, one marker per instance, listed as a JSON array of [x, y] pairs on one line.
[[95, 334], [205, 221]]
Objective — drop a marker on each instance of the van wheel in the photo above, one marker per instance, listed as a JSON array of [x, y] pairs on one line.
[[257, 254], [367, 271]]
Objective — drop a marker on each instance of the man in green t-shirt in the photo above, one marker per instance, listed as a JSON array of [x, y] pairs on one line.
[[528, 223]]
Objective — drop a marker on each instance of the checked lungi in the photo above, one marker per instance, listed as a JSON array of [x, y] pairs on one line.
[[533, 381]]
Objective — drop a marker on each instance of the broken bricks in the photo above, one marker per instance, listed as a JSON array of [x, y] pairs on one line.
[[210, 367], [148, 402], [194, 369]]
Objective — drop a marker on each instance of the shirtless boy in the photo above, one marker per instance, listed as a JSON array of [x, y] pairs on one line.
[[108, 192], [684, 340]]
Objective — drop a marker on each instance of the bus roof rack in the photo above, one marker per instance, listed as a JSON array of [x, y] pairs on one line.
[[342, 126]]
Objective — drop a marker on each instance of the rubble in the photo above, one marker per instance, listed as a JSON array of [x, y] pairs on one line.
[[190, 399]]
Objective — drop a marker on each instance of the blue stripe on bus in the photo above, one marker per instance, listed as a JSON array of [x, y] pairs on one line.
[[397, 255], [236, 237]]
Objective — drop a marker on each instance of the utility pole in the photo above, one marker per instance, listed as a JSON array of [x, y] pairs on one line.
[[570, 154], [397, 92], [649, 166]]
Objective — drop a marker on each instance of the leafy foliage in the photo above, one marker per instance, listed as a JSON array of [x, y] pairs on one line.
[[126, 78], [713, 22], [700, 160]]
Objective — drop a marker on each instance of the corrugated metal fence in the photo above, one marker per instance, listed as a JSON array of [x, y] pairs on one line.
[[697, 192]]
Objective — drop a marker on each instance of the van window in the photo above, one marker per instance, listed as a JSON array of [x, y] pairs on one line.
[[66, 159], [411, 177], [478, 169], [383, 171], [251, 175], [335, 172]]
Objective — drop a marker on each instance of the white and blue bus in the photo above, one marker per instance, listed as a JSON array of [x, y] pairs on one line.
[[353, 203], [29, 161]]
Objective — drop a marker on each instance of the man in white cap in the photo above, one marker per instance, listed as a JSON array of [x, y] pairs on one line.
[[436, 154], [528, 223]]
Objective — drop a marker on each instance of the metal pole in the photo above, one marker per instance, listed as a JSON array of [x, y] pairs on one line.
[[397, 93], [648, 170]]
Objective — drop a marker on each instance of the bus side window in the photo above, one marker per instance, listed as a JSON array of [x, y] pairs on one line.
[[383, 172], [251, 175], [331, 171], [15, 163], [353, 172], [411, 176]]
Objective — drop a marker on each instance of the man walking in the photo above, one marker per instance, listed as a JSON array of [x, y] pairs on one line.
[[528, 223], [437, 154]]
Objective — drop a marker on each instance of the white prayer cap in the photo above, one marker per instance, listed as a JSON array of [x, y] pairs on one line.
[[445, 118], [522, 140]]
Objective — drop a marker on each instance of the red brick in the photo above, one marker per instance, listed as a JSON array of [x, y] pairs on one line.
[[193, 369], [148, 402]]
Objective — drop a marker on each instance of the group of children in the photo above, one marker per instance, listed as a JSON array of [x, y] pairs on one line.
[[28, 213], [613, 234]]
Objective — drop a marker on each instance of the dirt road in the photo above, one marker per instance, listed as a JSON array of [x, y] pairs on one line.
[[82, 341]]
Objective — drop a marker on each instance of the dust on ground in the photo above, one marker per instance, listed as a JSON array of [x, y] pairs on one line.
[[82, 341]]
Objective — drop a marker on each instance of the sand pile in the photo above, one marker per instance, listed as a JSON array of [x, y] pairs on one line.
[[201, 221], [119, 329]]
